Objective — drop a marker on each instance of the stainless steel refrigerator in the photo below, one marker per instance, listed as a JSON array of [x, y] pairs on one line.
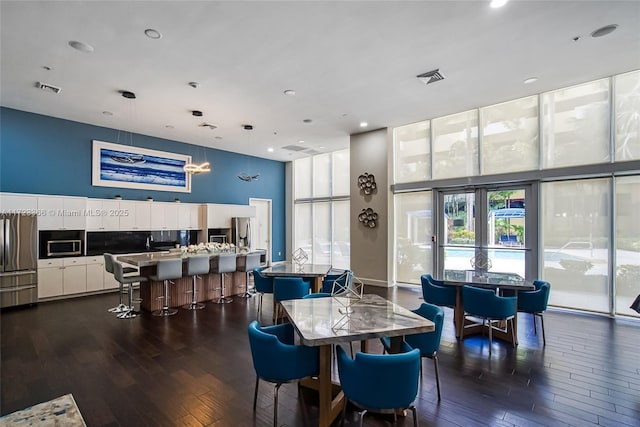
[[241, 233], [18, 260]]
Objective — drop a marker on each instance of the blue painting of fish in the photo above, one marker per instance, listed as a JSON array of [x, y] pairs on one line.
[[122, 166]]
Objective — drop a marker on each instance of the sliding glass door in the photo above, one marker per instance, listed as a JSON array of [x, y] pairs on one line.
[[487, 229]]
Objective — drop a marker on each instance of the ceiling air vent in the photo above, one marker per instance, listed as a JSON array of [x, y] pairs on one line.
[[430, 76], [48, 87], [294, 148], [207, 125]]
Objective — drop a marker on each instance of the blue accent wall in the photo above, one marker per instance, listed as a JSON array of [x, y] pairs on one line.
[[45, 155]]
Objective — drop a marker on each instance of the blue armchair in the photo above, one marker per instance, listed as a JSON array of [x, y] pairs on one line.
[[436, 292], [484, 303], [263, 285], [428, 342], [535, 302], [277, 360], [380, 382], [286, 288]]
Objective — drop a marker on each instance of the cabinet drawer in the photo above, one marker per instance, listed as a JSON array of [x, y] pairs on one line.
[[67, 262], [94, 260], [53, 262]]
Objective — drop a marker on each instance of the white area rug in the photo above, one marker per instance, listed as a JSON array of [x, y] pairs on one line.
[[59, 412]]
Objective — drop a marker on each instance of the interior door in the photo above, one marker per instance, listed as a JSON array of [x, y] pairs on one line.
[[261, 227]]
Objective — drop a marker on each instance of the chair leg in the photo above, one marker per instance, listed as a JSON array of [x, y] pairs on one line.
[[130, 313], [435, 365], [165, 310], [544, 340], [255, 393], [120, 308], [275, 404], [344, 411], [490, 336], [415, 415], [259, 312], [246, 293], [194, 304], [513, 334], [533, 316], [364, 411]]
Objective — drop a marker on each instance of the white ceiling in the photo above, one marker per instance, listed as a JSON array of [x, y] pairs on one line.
[[348, 61]]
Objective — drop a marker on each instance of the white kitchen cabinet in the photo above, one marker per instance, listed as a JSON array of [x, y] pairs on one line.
[[95, 273], [164, 216], [135, 215], [109, 281], [103, 215], [219, 215], [61, 213], [18, 203], [50, 277], [74, 275], [188, 216]]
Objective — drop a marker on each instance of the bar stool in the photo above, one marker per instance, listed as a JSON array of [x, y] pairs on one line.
[[226, 264], [196, 265], [118, 273], [252, 261], [109, 259], [167, 269]]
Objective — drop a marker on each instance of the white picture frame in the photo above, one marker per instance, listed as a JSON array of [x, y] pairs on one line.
[[125, 166]]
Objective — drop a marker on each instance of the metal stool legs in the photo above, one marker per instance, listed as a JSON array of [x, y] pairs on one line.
[[222, 299], [194, 304], [246, 293], [131, 312], [120, 308], [165, 310]]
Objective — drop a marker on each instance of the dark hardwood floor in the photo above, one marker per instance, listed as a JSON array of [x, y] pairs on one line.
[[195, 369]]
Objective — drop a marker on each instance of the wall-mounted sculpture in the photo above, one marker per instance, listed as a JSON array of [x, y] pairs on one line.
[[367, 183], [368, 217]]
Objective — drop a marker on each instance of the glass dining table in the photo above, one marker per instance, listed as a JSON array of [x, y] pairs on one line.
[[500, 282], [333, 320]]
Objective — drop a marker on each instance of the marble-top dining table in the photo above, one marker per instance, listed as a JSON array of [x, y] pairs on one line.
[[326, 321]]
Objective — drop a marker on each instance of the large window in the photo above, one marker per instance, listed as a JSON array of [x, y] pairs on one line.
[[576, 125], [575, 242], [413, 231], [321, 208], [565, 149]]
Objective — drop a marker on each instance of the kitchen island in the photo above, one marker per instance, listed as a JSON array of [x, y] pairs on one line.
[[207, 288]]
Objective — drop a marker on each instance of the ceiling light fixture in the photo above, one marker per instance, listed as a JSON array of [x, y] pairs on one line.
[[195, 168], [497, 3], [530, 80], [107, 113], [364, 124], [196, 113], [270, 149], [152, 34], [244, 176], [290, 92], [81, 46], [603, 31], [307, 121]]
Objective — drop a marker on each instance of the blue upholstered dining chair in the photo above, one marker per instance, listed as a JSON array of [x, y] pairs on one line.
[[327, 282], [436, 292], [277, 360], [286, 288], [484, 303], [380, 382], [428, 342], [535, 302], [263, 285]]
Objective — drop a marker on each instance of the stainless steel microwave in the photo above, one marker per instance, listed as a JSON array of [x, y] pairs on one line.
[[64, 248], [218, 238]]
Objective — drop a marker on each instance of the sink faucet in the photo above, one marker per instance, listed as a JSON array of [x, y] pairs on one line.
[[148, 243]]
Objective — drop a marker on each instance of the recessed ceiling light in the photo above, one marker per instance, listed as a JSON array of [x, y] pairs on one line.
[[169, 126], [307, 121], [290, 92], [128, 94], [364, 124], [270, 149], [194, 84], [196, 113], [82, 47], [46, 67], [107, 113], [530, 80], [152, 34], [301, 141], [497, 3], [601, 32], [218, 137], [576, 38]]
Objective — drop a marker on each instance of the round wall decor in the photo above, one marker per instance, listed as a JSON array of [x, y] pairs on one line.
[[368, 217], [367, 183]]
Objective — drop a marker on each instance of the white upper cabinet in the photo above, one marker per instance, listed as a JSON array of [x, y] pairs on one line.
[[219, 215], [103, 215], [164, 216], [188, 215], [135, 215], [18, 203], [61, 213]]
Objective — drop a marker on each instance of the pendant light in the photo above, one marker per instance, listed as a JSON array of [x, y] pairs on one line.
[[195, 168], [243, 176]]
